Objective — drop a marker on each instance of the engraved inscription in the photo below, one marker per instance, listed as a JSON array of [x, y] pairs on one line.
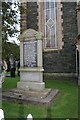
[[30, 53]]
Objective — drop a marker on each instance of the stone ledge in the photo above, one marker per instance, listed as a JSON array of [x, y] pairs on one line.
[[35, 69], [61, 76]]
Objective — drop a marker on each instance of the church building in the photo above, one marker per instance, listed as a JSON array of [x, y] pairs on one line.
[[60, 25]]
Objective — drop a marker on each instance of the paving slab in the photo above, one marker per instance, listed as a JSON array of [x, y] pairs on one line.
[[21, 96]]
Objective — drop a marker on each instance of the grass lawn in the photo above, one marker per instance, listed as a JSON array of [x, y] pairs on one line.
[[65, 104]]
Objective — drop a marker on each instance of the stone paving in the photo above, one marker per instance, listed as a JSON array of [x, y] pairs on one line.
[[16, 95]]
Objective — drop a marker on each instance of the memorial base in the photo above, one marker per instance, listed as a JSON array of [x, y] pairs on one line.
[[34, 86], [44, 97], [31, 75], [31, 79]]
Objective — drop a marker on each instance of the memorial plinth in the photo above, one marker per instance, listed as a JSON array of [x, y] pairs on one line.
[[31, 69]]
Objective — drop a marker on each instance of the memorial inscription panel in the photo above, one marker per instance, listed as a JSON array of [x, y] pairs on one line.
[[30, 53]]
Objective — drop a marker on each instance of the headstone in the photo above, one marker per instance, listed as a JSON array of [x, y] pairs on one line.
[[31, 69]]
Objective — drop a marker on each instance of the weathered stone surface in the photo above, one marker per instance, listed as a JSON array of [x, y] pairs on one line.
[[18, 95], [32, 15], [30, 34], [31, 68]]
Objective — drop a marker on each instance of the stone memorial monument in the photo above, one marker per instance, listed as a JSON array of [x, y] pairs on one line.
[[31, 88], [31, 69]]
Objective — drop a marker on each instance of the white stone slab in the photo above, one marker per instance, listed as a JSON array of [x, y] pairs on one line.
[[31, 76], [34, 86]]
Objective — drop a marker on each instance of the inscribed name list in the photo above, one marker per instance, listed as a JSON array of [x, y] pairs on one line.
[[30, 53]]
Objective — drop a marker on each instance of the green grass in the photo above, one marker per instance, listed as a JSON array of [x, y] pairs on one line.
[[10, 83], [65, 104]]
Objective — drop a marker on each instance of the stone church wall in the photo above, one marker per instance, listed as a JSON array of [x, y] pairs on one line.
[[64, 60]]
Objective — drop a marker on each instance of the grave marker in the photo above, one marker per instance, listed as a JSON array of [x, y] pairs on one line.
[[31, 69]]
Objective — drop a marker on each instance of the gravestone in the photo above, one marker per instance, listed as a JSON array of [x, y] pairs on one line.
[[31, 69]]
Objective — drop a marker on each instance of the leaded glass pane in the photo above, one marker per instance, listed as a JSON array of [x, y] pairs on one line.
[[53, 36], [52, 4], [47, 5], [50, 23], [47, 14], [53, 14]]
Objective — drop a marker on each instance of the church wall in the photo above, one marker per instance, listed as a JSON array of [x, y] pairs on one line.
[[63, 60]]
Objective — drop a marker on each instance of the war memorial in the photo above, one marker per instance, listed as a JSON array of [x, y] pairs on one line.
[[31, 88]]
